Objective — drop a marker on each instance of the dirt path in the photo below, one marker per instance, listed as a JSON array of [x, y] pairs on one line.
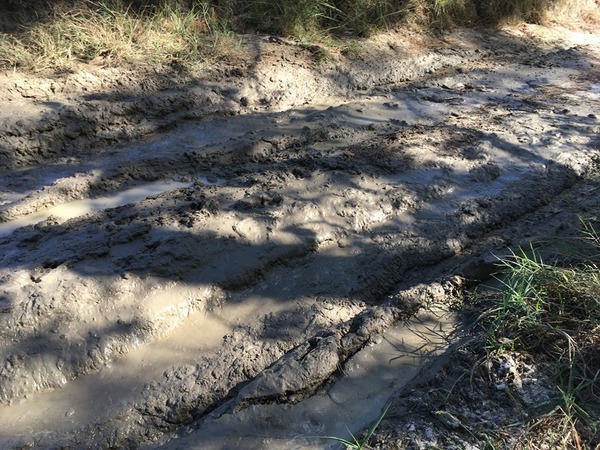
[[246, 278]]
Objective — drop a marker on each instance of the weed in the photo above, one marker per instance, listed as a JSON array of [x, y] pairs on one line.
[[591, 235], [554, 312], [362, 444]]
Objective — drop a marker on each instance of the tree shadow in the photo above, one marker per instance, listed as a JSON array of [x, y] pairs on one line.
[[233, 233]]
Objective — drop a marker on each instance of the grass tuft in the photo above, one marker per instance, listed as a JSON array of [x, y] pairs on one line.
[[355, 444], [114, 33], [554, 313]]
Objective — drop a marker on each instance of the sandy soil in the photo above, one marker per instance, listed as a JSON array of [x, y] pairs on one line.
[[264, 252]]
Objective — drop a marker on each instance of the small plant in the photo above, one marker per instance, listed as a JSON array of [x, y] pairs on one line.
[[362, 444]]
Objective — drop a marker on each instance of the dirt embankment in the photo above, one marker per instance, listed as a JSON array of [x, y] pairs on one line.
[[221, 280]]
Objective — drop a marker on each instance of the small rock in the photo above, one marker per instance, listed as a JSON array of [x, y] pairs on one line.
[[447, 419]]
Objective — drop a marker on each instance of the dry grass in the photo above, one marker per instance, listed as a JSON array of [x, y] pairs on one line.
[[114, 34], [68, 32], [580, 14]]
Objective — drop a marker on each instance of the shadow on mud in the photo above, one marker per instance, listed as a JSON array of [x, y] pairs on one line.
[[135, 107], [338, 214]]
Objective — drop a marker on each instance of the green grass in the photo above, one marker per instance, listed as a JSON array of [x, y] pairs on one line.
[[362, 444], [553, 313]]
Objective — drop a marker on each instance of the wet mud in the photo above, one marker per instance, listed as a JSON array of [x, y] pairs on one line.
[[263, 272]]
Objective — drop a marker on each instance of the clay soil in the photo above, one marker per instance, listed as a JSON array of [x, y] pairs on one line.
[[268, 251]]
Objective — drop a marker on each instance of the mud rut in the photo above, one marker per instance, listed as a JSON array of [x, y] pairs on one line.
[[228, 310]]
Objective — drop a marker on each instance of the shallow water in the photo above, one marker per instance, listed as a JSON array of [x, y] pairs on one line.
[[357, 398], [101, 395], [78, 208], [204, 135]]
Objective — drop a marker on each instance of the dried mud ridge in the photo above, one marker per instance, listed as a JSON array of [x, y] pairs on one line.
[[304, 234]]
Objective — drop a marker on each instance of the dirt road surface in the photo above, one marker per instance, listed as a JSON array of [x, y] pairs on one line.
[[263, 254]]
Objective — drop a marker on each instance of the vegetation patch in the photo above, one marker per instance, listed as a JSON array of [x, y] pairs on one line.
[[58, 35], [553, 312], [115, 33]]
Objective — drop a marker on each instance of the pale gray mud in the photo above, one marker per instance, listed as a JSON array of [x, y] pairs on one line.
[[258, 279]]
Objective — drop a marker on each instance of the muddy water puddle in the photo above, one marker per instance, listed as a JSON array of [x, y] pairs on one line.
[[24, 185], [115, 388], [300, 242], [392, 360], [78, 208]]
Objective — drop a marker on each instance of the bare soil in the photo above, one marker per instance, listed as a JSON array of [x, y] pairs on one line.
[[265, 252]]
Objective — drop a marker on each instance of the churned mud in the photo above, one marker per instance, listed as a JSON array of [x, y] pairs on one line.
[[273, 260]]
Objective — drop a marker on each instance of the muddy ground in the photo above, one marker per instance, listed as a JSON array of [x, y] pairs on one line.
[[264, 253]]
